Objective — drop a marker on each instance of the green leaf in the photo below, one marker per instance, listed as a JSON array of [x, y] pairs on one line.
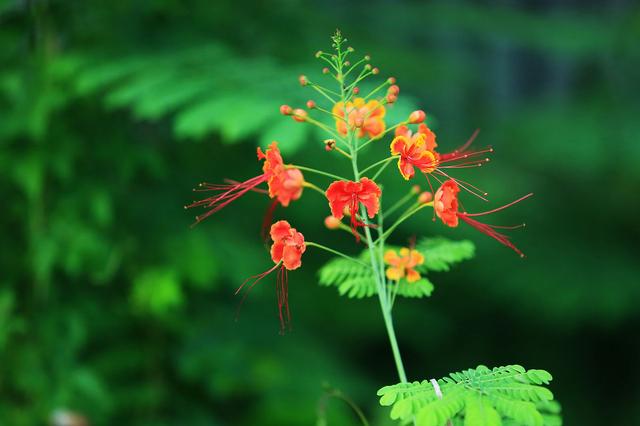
[[482, 396], [440, 253]]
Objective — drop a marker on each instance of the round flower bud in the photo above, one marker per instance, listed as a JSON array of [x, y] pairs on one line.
[[391, 80], [311, 104], [417, 116], [375, 71], [318, 53], [303, 80], [356, 90], [415, 189], [367, 67], [367, 57], [285, 110], [350, 49], [329, 144], [332, 222], [391, 98], [325, 70], [394, 90], [359, 122], [425, 197], [347, 63], [299, 115]]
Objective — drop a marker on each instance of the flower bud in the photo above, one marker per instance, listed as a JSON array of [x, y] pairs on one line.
[[415, 189], [332, 222], [359, 122], [311, 104], [347, 63], [391, 98], [318, 53], [285, 110], [350, 49], [391, 80], [329, 144], [417, 116], [425, 197], [394, 90], [303, 80], [367, 58], [375, 71], [325, 70], [367, 67], [299, 115], [356, 90]]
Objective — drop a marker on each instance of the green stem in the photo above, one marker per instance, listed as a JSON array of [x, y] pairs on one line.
[[336, 252], [377, 163], [320, 172], [404, 217]]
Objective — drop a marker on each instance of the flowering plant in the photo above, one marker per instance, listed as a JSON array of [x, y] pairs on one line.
[[353, 121]]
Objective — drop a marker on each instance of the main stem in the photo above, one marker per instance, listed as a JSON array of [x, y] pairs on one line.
[[385, 305]]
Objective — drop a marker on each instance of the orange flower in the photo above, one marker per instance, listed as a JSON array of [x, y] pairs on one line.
[[350, 194], [445, 205], [285, 184], [415, 150], [286, 252], [368, 117], [288, 245], [403, 266]]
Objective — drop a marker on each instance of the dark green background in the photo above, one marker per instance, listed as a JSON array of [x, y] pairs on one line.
[[110, 112]]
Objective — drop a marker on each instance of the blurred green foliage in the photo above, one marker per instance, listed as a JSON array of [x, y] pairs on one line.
[[110, 112]]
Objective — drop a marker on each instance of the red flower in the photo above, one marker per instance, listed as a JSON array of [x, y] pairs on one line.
[[445, 205], [285, 184], [350, 194], [286, 252], [288, 245]]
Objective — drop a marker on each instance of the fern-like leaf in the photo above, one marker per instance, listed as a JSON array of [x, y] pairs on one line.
[[479, 397], [440, 253]]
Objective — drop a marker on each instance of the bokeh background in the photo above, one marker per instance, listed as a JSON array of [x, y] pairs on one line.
[[112, 308]]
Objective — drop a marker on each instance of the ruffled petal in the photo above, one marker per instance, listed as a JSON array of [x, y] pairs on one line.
[[277, 249], [391, 258], [280, 230], [412, 275], [395, 274], [292, 257]]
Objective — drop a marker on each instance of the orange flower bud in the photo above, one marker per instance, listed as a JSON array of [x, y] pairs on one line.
[[415, 189], [325, 70], [303, 80], [299, 115], [391, 98], [359, 122], [311, 104], [329, 144], [417, 116], [393, 90], [332, 222], [285, 110], [356, 90], [375, 71], [425, 197], [391, 80]]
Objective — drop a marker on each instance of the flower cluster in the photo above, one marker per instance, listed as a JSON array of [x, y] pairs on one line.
[[352, 122]]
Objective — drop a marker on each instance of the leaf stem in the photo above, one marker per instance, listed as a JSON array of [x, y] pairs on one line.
[[336, 252]]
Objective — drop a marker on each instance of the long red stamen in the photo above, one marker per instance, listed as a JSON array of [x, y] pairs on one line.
[[502, 207], [282, 293], [267, 220], [491, 232], [231, 193], [255, 279], [466, 145]]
